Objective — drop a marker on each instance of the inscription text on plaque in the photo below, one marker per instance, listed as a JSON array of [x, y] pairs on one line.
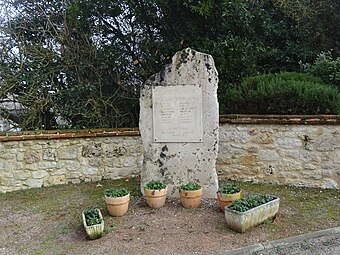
[[177, 113]]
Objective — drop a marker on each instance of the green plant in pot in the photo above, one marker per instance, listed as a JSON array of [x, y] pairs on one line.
[[191, 195], [227, 194], [93, 223], [251, 211], [117, 201], [155, 194]]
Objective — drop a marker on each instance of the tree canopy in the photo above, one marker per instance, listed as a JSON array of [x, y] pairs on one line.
[[83, 61]]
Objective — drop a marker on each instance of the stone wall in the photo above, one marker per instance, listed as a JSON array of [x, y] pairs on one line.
[[33, 159], [290, 150]]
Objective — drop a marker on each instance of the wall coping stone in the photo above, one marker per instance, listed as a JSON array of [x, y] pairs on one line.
[[281, 119], [67, 134], [230, 118]]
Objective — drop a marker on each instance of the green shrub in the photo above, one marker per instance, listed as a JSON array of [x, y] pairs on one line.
[[284, 93], [326, 68], [229, 188], [92, 217], [116, 192], [190, 186], [250, 202], [155, 185]]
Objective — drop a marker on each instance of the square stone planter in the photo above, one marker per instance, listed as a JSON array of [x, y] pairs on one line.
[[94, 231], [243, 221]]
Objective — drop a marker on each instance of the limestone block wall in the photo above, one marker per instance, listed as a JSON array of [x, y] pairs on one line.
[[300, 151], [292, 150], [32, 160]]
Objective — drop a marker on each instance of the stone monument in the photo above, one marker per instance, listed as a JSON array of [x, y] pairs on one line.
[[179, 122]]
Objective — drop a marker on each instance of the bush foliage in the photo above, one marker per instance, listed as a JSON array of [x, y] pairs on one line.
[[283, 93], [325, 67]]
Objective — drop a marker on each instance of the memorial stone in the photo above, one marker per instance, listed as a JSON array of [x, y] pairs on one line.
[[179, 123]]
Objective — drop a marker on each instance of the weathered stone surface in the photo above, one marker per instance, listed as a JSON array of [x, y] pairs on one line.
[[239, 137], [115, 151], [22, 175], [73, 175], [32, 167], [71, 165], [288, 142], [180, 161], [31, 157], [92, 149], [55, 180], [39, 174], [20, 156], [129, 162], [247, 160], [309, 156], [91, 171], [268, 155], [328, 165], [34, 183], [330, 184], [296, 155], [4, 165], [96, 162], [262, 138], [48, 165], [7, 156], [61, 171], [326, 142], [317, 175], [49, 154], [337, 157], [288, 175], [68, 153]]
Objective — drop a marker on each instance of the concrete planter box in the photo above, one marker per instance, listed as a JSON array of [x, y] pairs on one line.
[[94, 231], [242, 221]]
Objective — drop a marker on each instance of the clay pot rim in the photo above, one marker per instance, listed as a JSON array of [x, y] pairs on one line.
[[219, 193], [184, 190], [191, 193], [155, 192], [117, 200], [118, 197]]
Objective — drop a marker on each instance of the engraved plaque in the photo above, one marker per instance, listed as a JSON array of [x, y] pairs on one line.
[[177, 113]]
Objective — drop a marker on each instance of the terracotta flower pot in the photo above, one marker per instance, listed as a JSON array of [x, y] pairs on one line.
[[227, 199], [155, 198], [191, 198], [117, 206]]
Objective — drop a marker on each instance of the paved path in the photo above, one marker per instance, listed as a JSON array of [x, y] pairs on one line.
[[324, 242]]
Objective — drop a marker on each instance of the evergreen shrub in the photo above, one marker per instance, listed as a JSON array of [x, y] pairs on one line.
[[283, 93]]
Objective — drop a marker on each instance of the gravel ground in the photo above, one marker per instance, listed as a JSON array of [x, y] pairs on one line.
[[48, 221]]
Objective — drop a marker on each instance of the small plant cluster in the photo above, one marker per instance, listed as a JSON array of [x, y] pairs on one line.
[[116, 192], [326, 67], [229, 188], [92, 217], [155, 185], [190, 186], [250, 202]]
